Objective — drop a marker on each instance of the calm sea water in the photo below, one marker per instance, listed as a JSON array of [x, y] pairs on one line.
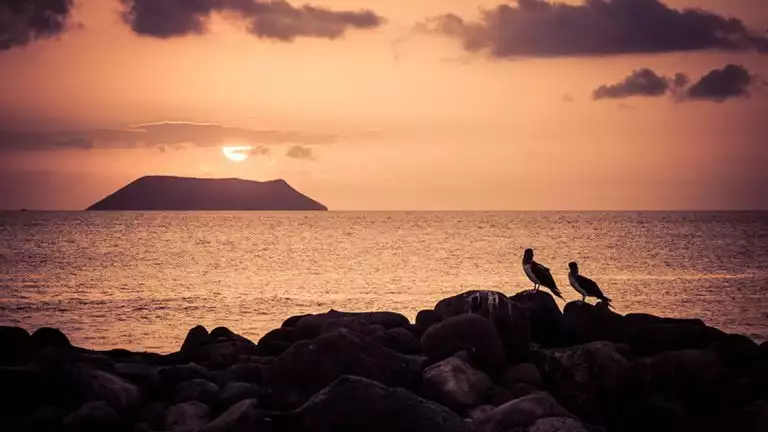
[[141, 280]]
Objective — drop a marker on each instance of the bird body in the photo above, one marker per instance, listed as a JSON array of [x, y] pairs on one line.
[[538, 274], [584, 285]]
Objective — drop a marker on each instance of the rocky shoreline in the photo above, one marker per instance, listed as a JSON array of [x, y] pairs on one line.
[[479, 361]]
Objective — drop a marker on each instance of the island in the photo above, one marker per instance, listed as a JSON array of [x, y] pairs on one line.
[[185, 193]]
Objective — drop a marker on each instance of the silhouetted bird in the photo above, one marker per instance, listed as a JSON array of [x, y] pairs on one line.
[[584, 285], [538, 274]]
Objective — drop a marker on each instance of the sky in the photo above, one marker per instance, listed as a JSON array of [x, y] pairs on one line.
[[391, 104]]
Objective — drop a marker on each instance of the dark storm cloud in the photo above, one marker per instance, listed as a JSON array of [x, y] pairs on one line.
[[155, 135], [25, 21], [718, 85], [642, 82], [299, 152], [597, 27], [275, 19], [732, 81]]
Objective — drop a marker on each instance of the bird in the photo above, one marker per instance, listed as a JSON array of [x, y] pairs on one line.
[[538, 274], [584, 285]]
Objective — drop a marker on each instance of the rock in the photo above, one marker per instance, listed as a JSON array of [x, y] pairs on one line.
[[519, 390], [557, 424], [427, 318], [587, 379], [659, 338], [120, 394], [46, 337], [223, 333], [357, 404], [498, 396], [655, 412], [223, 353], [545, 318], [480, 411], [43, 419], [454, 383], [142, 374], [754, 418], [241, 417], [15, 346], [94, 417], [171, 376], [764, 351], [471, 333], [153, 415], [197, 390], [509, 318], [694, 376], [187, 416], [736, 350], [283, 334], [311, 326], [196, 337], [292, 321], [521, 413], [399, 340], [235, 392], [586, 323], [246, 372], [308, 366], [525, 373]]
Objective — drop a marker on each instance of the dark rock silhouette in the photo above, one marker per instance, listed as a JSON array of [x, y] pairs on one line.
[[181, 193], [588, 369]]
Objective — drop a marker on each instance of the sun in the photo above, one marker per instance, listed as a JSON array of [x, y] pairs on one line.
[[236, 153]]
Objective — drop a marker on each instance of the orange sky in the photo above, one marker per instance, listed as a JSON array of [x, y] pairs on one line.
[[395, 118]]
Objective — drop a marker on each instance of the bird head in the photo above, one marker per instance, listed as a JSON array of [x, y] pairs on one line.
[[574, 267], [528, 255]]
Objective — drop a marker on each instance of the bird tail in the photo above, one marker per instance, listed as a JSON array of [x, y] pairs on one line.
[[556, 291], [607, 301]]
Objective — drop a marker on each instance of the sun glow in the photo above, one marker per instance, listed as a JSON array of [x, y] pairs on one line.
[[236, 153]]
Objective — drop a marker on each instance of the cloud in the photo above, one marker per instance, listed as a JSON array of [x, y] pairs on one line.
[[260, 151], [156, 135], [273, 19], [596, 27], [718, 85], [732, 81], [25, 21], [299, 152], [642, 82], [567, 98]]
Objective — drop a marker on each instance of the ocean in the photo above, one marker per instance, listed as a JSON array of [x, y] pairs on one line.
[[140, 280]]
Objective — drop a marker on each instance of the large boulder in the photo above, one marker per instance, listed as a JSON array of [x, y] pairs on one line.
[[354, 403], [96, 385], [509, 318], [222, 353], [46, 337], [171, 376], [736, 350], [754, 417], [235, 392], [196, 337], [522, 373], [308, 366], [95, 416], [660, 338], [470, 333], [521, 413], [241, 417], [197, 390], [427, 318], [454, 383], [187, 416], [587, 379], [15, 346], [313, 325], [399, 340], [545, 318], [586, 323]]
